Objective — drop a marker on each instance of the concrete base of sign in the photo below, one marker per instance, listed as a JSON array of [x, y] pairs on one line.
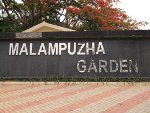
[[77, 83]]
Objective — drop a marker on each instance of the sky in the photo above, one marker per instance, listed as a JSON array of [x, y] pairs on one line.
[[137, 9]]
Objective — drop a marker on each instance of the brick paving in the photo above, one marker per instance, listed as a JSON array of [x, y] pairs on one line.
[[74, 98]]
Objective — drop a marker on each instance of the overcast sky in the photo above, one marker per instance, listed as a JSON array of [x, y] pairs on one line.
[[137, 9]]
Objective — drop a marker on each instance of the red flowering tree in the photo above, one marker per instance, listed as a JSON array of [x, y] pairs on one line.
[[99, 15], [75, 14]]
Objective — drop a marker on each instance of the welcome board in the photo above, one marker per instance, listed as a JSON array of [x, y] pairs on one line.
[[74, 57]]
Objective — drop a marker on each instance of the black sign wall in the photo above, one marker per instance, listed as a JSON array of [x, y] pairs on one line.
[[77, 56]]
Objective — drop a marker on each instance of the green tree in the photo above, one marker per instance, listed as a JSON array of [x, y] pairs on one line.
[[75, 14]]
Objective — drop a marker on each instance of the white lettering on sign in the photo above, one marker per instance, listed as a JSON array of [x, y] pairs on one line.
[[42, 49], [100, 48], [75, 48], [80, 51], [102, 65], [57, 48], [62, 47], [92, 67], [88, 48], [53, 49], [112, 66], [13, 49], [70, 51], [123, 66], [31, 49], [23, 49], [81, 66]]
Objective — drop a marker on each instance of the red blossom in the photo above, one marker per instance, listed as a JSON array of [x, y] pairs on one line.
[[103, 21], [86, 8], [101, 3], [102, 14], [43, 2], [107, 28], [44, 6], [68, 9], [72, 10], [53, 1], [35, 1]]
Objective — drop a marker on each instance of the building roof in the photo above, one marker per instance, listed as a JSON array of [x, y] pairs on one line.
[[46, 27]]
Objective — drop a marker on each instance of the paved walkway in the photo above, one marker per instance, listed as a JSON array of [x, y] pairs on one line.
[[87, 98]]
